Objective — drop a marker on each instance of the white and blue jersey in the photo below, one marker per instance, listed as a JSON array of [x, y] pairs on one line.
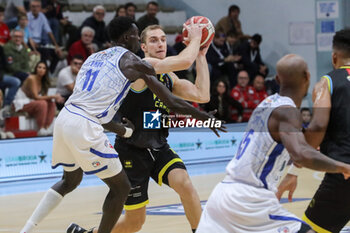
[[260, 160], [100, 86]]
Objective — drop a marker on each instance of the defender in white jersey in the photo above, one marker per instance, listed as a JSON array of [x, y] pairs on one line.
[[80, 145], [245, 200]]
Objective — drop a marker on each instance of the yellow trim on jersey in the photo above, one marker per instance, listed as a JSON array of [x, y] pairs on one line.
[[345, 67], [314, 226], [139, 91], [136, 206], [329, 83], [171, 162]]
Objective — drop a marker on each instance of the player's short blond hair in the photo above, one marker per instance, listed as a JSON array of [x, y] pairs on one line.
[[149, 28]]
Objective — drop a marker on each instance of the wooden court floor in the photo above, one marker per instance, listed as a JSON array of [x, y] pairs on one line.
[[82, 206]]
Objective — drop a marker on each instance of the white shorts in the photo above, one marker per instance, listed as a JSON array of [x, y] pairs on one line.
[[237, 208], [79, 141]]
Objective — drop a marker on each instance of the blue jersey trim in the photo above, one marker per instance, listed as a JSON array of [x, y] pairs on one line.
[[81, 115], [270, 163], [285, 218], [63, 164], [96, 171], [119, 97], [103, 155], [330, 83]]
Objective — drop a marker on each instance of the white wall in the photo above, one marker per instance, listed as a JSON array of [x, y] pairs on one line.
[[271, 19]]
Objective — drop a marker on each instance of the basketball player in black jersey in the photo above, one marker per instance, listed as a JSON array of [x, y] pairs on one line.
[[146, 153], [329, 209]]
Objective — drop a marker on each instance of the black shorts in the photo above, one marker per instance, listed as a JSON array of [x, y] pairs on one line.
[[141, 164], [329, 209]]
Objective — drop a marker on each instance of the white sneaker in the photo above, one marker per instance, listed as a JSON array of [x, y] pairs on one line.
[[42, 132], [9, 134]]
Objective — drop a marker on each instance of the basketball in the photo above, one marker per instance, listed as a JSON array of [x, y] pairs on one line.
[[208, 31]]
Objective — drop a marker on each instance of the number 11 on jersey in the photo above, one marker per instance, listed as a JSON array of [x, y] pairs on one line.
[[89, 73]]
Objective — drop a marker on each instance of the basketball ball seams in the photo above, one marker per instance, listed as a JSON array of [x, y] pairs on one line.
[[208, 30]]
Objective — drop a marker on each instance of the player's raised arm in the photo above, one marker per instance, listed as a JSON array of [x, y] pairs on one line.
[[321, 97], [183, 60], [285, 126], [199, 91], [134, 68]]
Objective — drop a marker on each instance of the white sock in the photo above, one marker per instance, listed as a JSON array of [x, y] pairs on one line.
[[50, 200]]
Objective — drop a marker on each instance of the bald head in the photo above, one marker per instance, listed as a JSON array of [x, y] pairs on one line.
[[292, 72], [291, 69]]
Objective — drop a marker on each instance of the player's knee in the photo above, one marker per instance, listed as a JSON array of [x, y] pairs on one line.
[[184, 187], [70, 182], [119, 184]]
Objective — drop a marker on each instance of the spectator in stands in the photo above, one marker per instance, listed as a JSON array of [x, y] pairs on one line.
[[220, 61], [150, 17], [53, 12], [4, 30], [38, 25], [305, 116], [259, 86], [96, 21], [84, 46], [13, 9], [17, 56], [32, 98], [66, 79], [233, 43], [221, 100], [120, 11], [251, 57], [7, 82], [230, 22], [130, 9], [244, 94], [271, 85]]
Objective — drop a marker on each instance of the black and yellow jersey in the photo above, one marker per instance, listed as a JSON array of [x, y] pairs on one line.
[[135, 105], [336, 143]]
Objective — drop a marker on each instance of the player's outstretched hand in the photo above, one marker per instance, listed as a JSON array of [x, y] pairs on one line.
[[127, 123], [289, 183], [194, 30], [222, 128]]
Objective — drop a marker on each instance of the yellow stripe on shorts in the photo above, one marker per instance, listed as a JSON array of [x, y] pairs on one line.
[[171, 162], [136, 206], [316, 228]]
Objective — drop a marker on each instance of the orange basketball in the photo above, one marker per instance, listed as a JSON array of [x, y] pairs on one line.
[[208, 31]]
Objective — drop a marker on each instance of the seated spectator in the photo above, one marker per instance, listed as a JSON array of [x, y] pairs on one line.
[[305, 116], [230, 22], [150, 17], [259, 86], [251, 58], [96, 22], [4, 30], [271, 85], [120, 11], [220, 61], [84, 46], [3, 134], [13, 9], [7, 82], [244, 94], [221, 100], [233, 44], [32, 98], [130, 9], [38, 26], [66, 79], [17, 56]]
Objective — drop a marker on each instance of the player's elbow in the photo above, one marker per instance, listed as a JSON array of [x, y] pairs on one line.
[[186, 63], [203, 99]]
